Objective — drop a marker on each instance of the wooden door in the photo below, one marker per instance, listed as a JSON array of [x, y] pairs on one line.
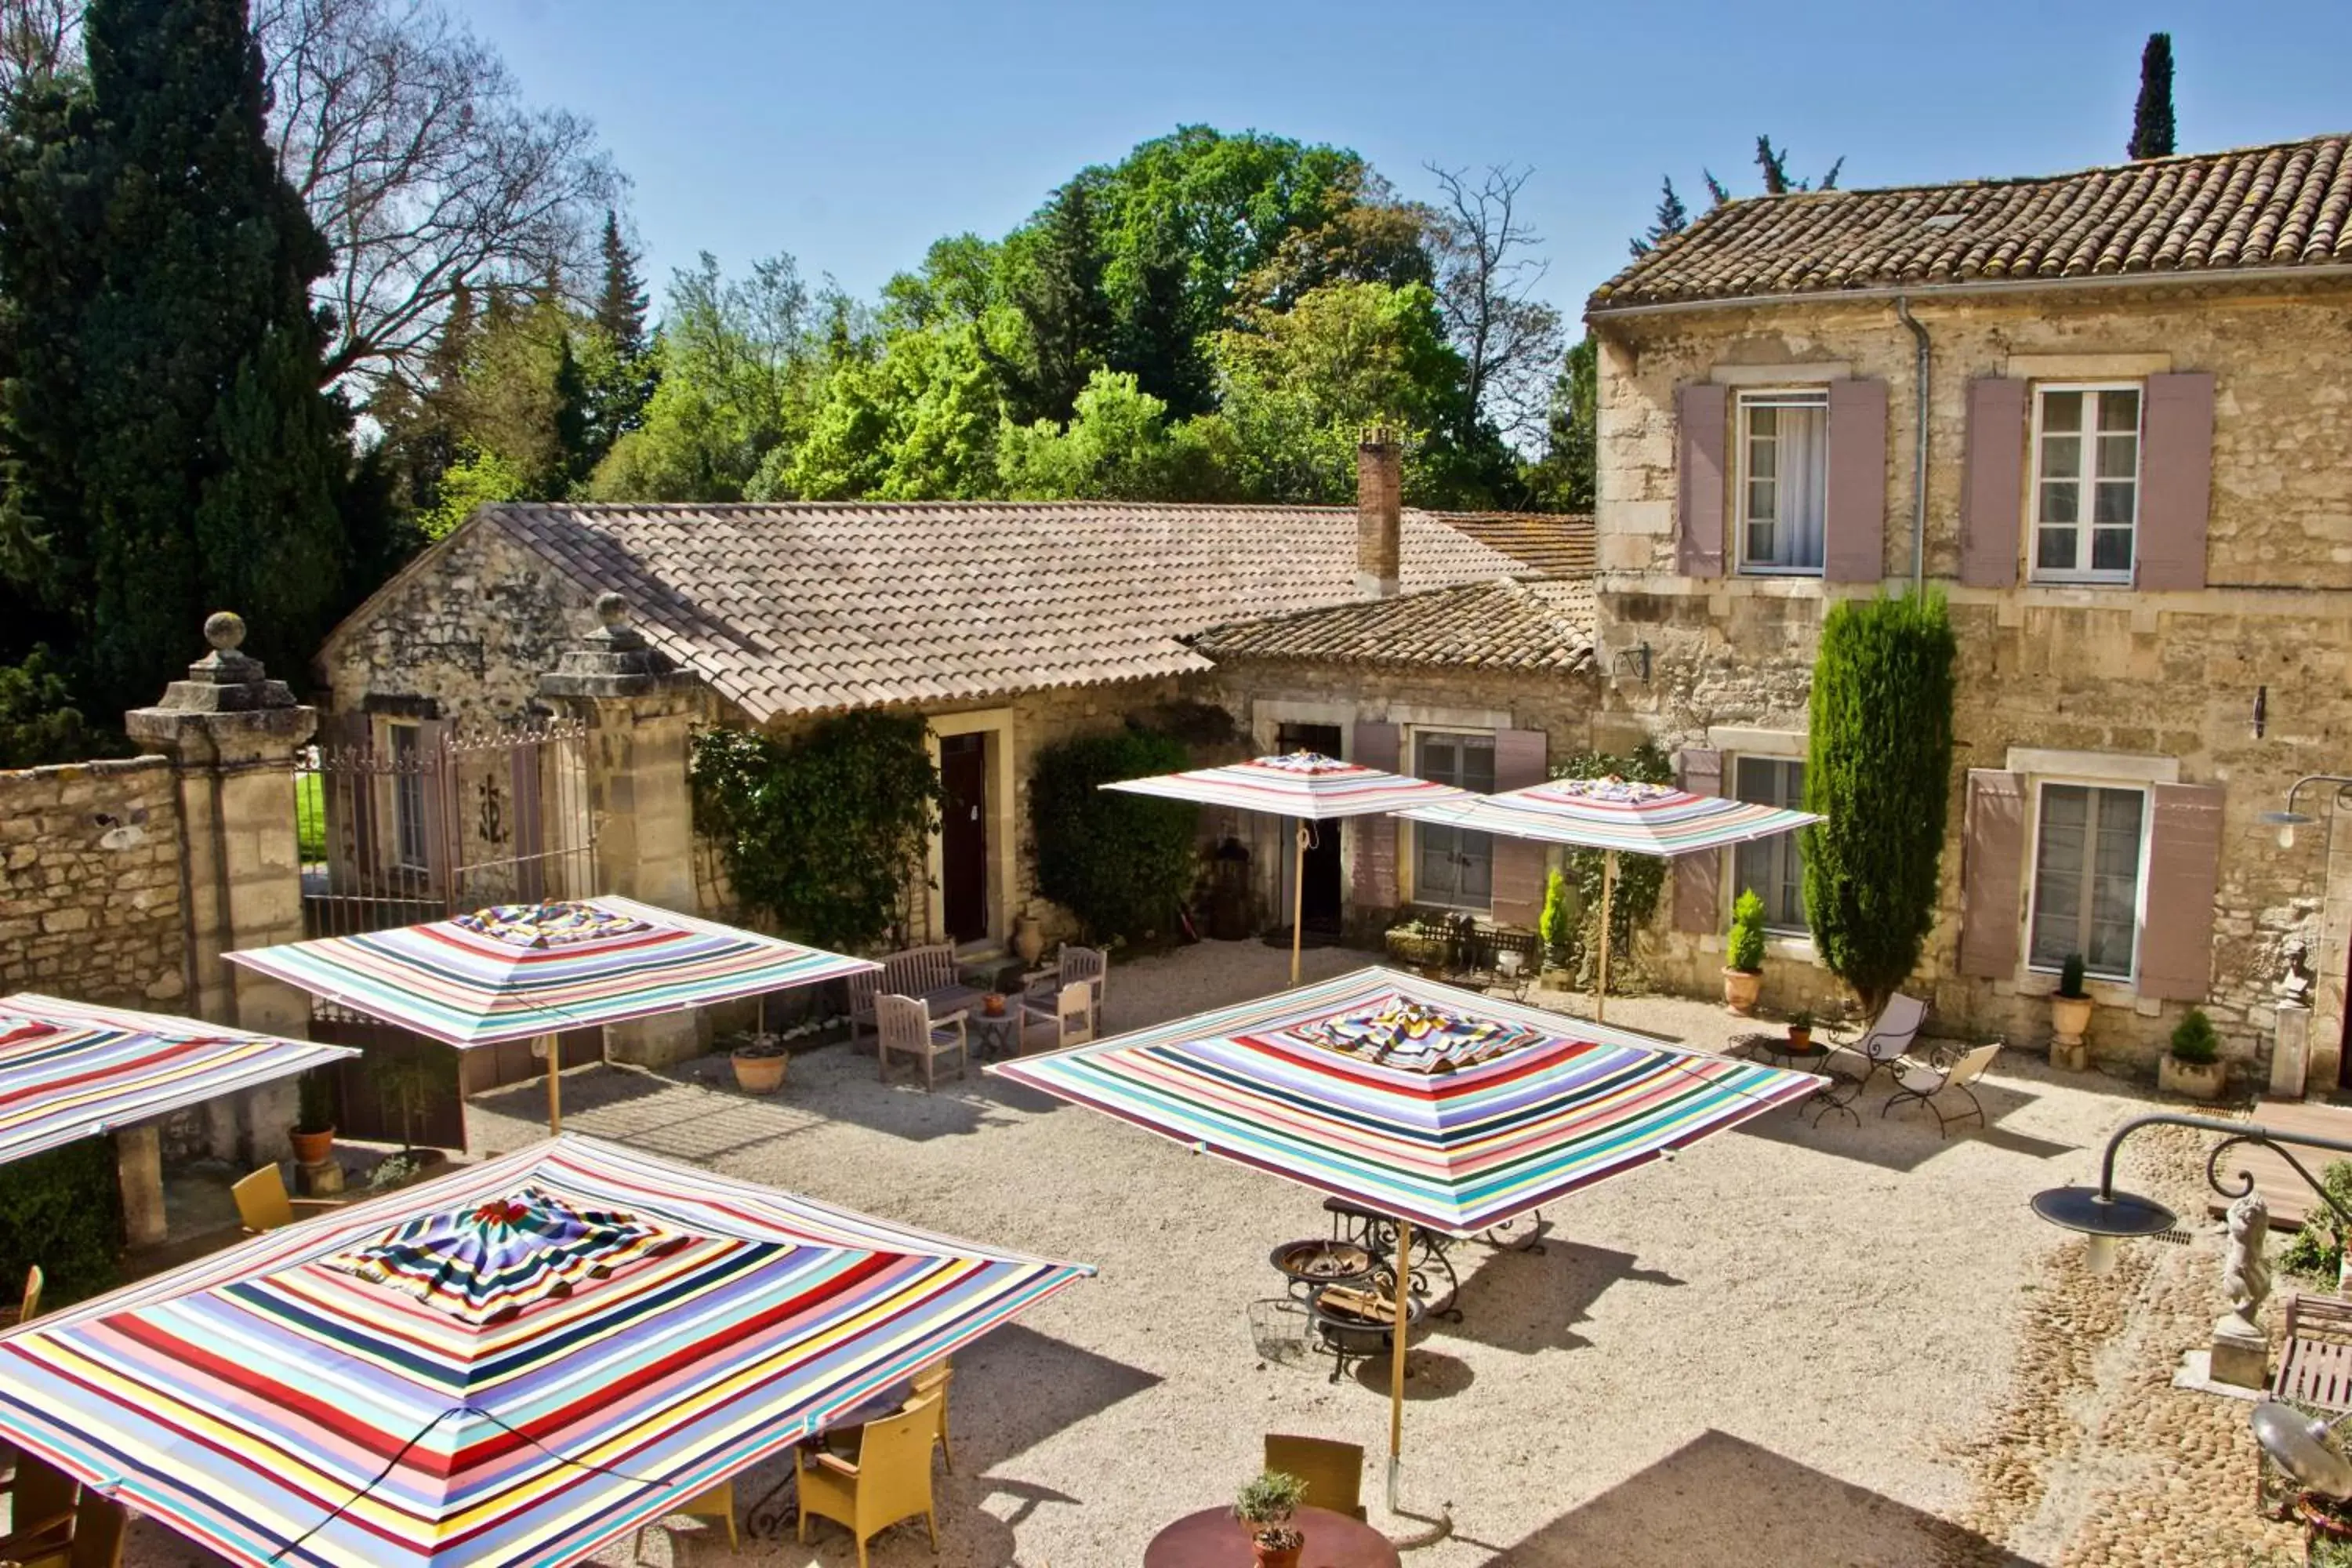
[[1319, 906], [963, 835]]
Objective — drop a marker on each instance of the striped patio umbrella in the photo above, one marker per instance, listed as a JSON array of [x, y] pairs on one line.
[[322, 1395], [69, 1070], [1441, 1107], [1612, 815], [1306, 785], [518, 970]]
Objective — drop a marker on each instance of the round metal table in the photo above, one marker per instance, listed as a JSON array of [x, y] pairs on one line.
[[1214, 1538]]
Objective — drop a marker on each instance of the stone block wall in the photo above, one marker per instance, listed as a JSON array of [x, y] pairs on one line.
[[90, 889]]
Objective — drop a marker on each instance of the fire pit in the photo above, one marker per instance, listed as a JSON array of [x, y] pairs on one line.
[[1320, 1261], [1355, 1324]]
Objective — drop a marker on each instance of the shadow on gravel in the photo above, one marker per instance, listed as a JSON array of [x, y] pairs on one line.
[[1530, 1302]]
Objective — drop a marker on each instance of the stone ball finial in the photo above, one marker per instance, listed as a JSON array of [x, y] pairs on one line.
[[612, 609], [224, 629]]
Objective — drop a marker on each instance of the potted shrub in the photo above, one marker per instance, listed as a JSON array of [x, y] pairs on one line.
[[2070, 1016], [2193, 1066], [1800, 1030], [313, 1134], [1265, 1507], [760, 1061], [1743, 954]]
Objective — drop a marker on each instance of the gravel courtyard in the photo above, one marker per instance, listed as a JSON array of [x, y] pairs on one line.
[[1796, 1345]]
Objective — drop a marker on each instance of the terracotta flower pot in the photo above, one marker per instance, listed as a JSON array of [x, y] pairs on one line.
[[759, 1072], [1740, 988], [312, 1148], [1801, 1035], [1284, 1555], [2196, 1080], [1028, 937]]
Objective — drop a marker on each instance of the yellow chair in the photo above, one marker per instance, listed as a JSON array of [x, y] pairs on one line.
[[262, 1204], [931, 1384], [1334, 1472], [890, 1482], [88, 1537], [717, 1502]]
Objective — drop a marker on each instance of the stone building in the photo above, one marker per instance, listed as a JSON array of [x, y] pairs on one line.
[[1008, 627], [2106, 413]]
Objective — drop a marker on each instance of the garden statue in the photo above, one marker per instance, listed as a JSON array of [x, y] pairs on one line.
[[2295, 984], [2240, 1353]]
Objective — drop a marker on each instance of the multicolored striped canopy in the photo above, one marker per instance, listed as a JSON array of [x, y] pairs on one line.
[[69, 1070], [1438, 1105], [518, 970], [278, 1409], [1301, 784], [1615, 814]]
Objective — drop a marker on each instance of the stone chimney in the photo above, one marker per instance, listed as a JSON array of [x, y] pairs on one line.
[[1379, 485]]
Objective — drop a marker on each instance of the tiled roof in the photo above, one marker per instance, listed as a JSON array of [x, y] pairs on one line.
[[2284, 205], [804, 607], [1535, 624], [1554, 543]]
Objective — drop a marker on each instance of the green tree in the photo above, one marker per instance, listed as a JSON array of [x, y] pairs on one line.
[[2152, 123], [1118, 445], [621, 297], [1055, 267], [1563, 479], [1878, 771], [1120, 863], [616, 365], [919, 422], [1772, 166], [1671, 218], [167, 447]]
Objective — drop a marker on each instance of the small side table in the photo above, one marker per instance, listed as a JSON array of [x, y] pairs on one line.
[[1807, 1057], [997, 1034]]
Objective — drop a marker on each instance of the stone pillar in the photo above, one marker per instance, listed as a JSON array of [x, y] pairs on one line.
[[139, 1169], [639, 711], [2289, 1049], [232, 733]]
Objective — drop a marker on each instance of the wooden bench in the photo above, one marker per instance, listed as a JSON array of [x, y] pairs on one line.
[[928, 973], [2315, 1366]]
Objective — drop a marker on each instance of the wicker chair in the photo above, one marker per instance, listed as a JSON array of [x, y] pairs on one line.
[[891, 1479], [262, 1204]]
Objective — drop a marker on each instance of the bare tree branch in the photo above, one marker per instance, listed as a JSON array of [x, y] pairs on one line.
[[1510, 341], [38, 38]]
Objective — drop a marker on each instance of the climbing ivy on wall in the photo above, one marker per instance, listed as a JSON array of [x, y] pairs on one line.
[[824, 832], [1121, 863]]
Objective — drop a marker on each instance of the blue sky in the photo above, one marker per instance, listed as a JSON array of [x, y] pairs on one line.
[[855, 133]]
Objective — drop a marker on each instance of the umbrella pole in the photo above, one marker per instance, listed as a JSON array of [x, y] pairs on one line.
[[1396, 1357], [1297, 899], [554, 1044], [1608, 898]]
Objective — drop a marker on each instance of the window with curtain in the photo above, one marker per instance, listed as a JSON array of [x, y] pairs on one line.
[[1774, 866], [1452, 866], [1784, 461], [2085, 481], [2087, 861]]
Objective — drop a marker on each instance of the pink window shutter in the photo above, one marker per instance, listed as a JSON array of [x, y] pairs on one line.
[[1698, 879], [2184, 870], [1992, 873], [1853, 529], [2176, 480], [1375, 837], [1992, 484], [1521, 866], [1701, 409]]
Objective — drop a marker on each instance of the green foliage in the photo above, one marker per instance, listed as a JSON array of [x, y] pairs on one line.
[[1879, 772], [1640, 878], [1563, 481], [316, 1088], [919, 422], [171, 449], [409, 1078], [311, 816], [2318, 1250], [2069, 978], [825, 833], [39, 722], [476, 479], [1269, 1498], [1120, 863], [1743, 949], [1557, 925], [1118, 445], [2194, 1038], [2152, 123], [64, 1212]]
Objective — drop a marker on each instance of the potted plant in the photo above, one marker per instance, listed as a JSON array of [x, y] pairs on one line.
[[2193, 1066], [313, 1132], [1800, 1030], [2070, 1016], [1265, 1507], [759, 1062], [1743, 954]]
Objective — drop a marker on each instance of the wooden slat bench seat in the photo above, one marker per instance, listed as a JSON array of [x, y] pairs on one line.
[[2315, 1366]]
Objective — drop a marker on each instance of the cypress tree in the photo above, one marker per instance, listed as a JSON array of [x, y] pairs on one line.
[[2152, 128], [162, 419], [1878, 770]]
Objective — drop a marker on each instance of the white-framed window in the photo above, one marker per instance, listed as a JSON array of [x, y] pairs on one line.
[[2090, 858], [408, 831], [1774, 866], [2085, 480], [1784, 472], [1453, 867]]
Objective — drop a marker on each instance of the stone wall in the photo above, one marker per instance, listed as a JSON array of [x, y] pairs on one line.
[[2171, 676], [89, 894]]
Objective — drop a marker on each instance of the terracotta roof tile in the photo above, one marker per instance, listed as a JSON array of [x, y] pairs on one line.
[[1535, 624], [1555, 544], [2284, 206], [806, 606]]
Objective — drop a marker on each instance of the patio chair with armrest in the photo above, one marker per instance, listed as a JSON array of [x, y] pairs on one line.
[[891, 1479], [262, 1204], [908, 1029], [1333, 1471], [1086, 964], [90, 1536], [1070, 1011], [1924, 1081], [930, 1387], [1888, 1039]]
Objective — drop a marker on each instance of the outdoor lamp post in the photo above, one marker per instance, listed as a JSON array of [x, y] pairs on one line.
[[2106, 1215], [2289, 819]]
